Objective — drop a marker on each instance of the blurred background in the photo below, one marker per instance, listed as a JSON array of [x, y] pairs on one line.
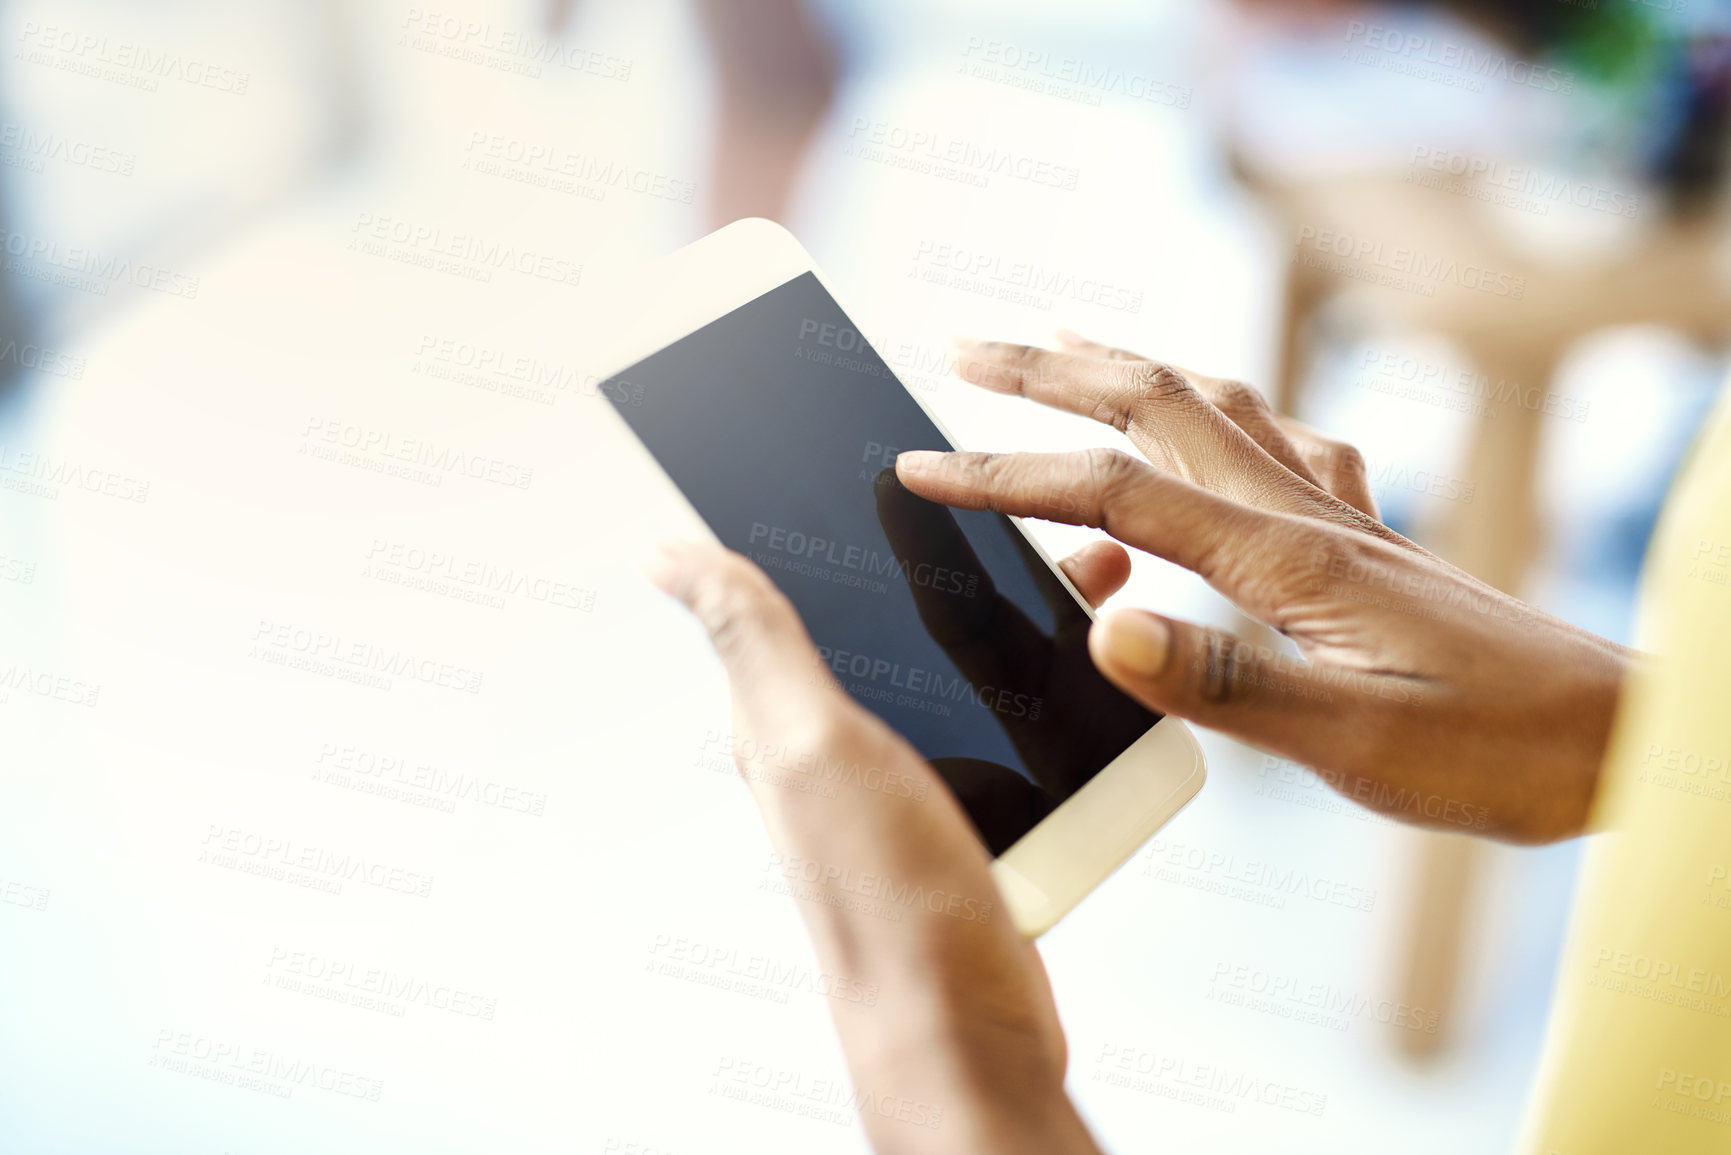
[[244, 245]]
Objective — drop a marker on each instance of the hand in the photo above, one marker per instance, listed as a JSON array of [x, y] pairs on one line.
[[1424, 693], [961, 1050], [1078, 724]]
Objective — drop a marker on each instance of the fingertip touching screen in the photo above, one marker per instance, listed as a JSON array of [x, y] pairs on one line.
[[781, 426]]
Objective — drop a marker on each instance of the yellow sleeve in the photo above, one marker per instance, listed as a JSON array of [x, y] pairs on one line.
[[1638, 1056]]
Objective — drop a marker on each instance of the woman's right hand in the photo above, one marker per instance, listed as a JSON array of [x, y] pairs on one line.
[[1423, 693]]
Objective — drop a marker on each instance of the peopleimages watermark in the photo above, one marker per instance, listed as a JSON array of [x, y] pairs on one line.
[[86, 269], [352, 660], [1229, 664], [826, 1100], [471, 580], [865, 891], [14, 893], [28, 355], [913, 687], [31, 149], [370, 988], [122, 62], [1394, 475], [1698, 1096], [1462, 390], [419, 782], [1317, 1004], [317, 867], [17, 569], [1256, 881], [811, 771], [727, 968], [862, 561], [920, 366], [876, 457], [1686, 771], [1718, 879], [1666, 981], [988, 275], [465, 255], [1710, 562], [250, 1068], [1397, 266], [412, 458], [1065, 77], [505, 50], [792, 551], [512, 373], [46, 684], [1523, 187], [930, 152], [1289, 782], [618, 1146], [40, 474], [826, 343], [542, 164], [1465, 66], [1207, 1085], [1414, 591]]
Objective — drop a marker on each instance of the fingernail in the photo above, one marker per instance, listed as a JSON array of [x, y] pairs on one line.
[[918, 461], [964, 344], [1136, 641]]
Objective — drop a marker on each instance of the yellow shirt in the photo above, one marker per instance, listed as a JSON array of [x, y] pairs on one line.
[[1638, 1057]]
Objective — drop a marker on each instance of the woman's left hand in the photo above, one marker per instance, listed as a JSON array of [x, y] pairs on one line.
[[961, 1050]]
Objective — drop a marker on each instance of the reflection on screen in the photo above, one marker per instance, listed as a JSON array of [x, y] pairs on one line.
[[781, 426]]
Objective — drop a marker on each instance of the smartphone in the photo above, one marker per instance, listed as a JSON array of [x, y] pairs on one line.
[[780, 424]]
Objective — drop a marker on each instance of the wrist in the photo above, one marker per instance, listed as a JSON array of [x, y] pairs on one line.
[[988, 1082]]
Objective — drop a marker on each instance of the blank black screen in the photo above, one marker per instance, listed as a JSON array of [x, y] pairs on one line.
[[781, 426]]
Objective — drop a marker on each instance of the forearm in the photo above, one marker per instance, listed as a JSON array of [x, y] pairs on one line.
[[943, 1010], [945, 1055], [983, 1095]]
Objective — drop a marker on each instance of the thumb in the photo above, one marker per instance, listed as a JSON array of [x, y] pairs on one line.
[[1270, 700], [839, 791], [777, 679]]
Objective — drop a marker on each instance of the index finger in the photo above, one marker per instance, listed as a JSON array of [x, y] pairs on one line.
[[815, 727], [756, 633], [988, 637], [1231, 546], [1214, 432]]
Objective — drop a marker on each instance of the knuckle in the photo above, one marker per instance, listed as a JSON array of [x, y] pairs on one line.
[[1282, 570], [1218, 671], [1107, 468], [1347, 566], [1238, 400], [1347, 461], [1156, 381], [830, 732], [985, 472], [1313, 455], [994, 477], [1108, 472], [737, 604], [1026, 363], [1114, 412], [1337, 548], [1045, 488], [1324, 557]]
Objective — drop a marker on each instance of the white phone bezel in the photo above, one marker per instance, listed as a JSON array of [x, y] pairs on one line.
[[1054, 866]]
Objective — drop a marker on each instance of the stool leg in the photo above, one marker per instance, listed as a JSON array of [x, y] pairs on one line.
[[1495, 538]]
